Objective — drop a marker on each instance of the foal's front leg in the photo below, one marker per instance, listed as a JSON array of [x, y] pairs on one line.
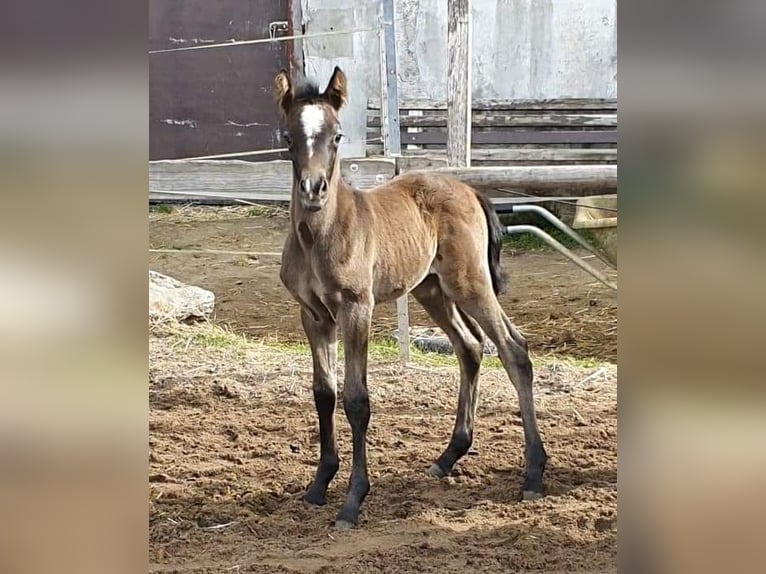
[[322, 336], [355, 317]]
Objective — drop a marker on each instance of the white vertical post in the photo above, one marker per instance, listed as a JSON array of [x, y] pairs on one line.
[[392, 144]]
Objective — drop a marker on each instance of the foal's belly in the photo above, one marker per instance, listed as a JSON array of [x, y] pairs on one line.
[[394, 281]]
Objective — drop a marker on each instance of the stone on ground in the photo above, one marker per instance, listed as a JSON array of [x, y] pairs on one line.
[[172, 300], [434, 340]]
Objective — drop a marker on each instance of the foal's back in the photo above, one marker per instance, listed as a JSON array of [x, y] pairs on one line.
[[434, 204]]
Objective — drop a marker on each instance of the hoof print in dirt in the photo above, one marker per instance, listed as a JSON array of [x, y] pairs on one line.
[[293, 488], [225, 391]]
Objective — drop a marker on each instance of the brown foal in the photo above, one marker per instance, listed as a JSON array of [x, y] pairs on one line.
[[348, 250]]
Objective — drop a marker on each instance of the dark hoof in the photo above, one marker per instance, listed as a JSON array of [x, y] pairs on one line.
[[531, 495], [344, 525], [314, 498], [346, 519], [436, 471]]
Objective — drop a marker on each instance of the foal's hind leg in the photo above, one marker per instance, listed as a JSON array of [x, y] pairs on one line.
[[468, 349], [479, 301]]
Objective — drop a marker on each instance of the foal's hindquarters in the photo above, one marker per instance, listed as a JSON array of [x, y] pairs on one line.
[[460, 296]]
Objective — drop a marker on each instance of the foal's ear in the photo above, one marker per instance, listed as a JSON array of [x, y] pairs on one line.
[[335, 93], [283, 91]]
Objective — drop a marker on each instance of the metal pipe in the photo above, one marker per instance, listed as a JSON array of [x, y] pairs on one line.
[[563, 250], [563, 227]]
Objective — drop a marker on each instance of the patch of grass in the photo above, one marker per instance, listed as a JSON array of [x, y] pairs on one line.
[[160, 208], [579, 362], [218, 338], [383, 350], [387, 351], [266, 211], [204, 334], [529, 242], [293, 348]]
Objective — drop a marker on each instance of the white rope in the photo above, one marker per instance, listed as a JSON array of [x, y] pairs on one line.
[[210, 196], [243, 153], [225, 155], [263, 40], [218, 252]]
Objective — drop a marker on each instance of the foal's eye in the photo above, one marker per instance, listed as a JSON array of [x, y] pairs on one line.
[[288, 139], [338, 138]]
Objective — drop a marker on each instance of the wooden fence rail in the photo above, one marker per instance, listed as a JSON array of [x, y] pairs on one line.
[[271, 181]]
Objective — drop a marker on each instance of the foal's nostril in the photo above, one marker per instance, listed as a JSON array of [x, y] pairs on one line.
[[311, 186]]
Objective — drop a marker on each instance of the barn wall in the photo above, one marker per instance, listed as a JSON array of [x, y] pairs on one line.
[[521, 49]]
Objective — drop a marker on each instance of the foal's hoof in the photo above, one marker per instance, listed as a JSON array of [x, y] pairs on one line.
[[346, 518], [531, 495], [314, 499], [341, 524], [436, 471]]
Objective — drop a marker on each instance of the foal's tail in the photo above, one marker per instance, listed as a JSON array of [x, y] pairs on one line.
[[495, 243]]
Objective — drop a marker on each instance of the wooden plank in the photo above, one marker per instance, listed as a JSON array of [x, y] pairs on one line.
[[520, 104], [437, 158], [389, 88], [251, 181], [364, 173], [389, 93], [604, 155], [432, 137], [458, 83], [431, 119], [538, 178], [271, 181], [416, 163]]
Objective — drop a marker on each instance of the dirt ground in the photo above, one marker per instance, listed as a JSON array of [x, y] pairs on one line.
[[233, 445], [558, 307], [233, 431]]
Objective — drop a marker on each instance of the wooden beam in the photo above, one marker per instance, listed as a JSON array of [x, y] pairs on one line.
[[389, 95], [425, 158], [576, 104], [551, 154], [434, 136], [537, 177], [227, 181], [459, 83], [250, 181], [502, 119], [389, 88]]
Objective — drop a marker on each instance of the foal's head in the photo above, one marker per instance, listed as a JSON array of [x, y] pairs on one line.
[[313, 133]]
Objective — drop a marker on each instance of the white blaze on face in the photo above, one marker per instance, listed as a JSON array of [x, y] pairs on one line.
[[312, 120]]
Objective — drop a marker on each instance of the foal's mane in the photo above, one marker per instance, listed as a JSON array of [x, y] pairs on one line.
[[305, 90]]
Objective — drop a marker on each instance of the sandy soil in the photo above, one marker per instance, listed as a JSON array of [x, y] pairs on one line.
[[558, 307], [233, 445]]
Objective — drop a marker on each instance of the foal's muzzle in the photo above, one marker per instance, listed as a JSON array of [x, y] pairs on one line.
[[313, 192]]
